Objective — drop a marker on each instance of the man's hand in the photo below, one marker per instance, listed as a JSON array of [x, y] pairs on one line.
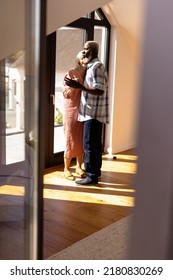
[[73, 83]]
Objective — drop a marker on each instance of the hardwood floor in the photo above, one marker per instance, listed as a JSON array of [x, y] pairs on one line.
[[73, 212]]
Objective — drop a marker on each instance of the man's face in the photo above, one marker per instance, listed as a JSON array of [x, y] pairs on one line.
[[87, 53]]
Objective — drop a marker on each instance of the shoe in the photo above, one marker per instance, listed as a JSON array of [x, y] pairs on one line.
[[87, 181], [68, 175], [80, 172]]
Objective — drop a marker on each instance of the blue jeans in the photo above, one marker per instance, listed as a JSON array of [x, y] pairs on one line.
[[92, 148]]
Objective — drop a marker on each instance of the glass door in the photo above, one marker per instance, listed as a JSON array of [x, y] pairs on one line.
[[12, 157], [62, 48], [22, 99], [69, 41]]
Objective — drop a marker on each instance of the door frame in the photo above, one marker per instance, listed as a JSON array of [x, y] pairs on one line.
[[87, 24]]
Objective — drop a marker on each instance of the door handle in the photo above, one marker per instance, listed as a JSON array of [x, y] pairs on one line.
[[53, 98]]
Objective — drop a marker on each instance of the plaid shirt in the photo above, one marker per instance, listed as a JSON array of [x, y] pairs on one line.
[[93, 106]]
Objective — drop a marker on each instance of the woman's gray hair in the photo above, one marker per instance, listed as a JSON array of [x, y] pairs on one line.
[[78, 58]]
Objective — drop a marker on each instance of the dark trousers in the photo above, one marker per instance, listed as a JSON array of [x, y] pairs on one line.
[[92, 148]]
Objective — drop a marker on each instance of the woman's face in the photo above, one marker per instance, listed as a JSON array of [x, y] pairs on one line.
[[83, 62]]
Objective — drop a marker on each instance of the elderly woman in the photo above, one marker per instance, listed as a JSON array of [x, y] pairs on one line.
[[73, 129]]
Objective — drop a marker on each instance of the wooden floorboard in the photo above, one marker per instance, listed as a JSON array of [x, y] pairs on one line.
[[73, 212]]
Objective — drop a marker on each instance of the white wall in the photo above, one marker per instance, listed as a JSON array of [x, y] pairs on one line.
[[153, 214], [60, 13], [125, 53], [125, 97], [11, 26]]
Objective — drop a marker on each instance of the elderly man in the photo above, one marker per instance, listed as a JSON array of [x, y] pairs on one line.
[[93, 111]]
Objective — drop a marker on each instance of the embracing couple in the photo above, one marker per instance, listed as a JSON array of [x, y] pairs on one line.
[[86, 110]]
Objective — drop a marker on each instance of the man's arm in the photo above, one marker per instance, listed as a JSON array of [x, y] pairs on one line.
[[75, 84]]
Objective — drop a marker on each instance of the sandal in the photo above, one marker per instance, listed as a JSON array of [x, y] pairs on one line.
[[68, 175], [80, 172]]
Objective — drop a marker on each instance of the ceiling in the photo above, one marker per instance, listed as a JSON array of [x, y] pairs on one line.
[[128, 14]]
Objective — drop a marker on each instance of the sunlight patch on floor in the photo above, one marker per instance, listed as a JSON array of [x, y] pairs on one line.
[[121, 156], [77, 196], [58, 180], [120, 167], [128, 165], [12, 190]]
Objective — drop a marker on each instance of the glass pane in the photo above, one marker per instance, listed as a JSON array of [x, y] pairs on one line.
[[100, 38], [19, 92], [14, 101], [69, 43], [96, 16], [12, 173], [87, 15]]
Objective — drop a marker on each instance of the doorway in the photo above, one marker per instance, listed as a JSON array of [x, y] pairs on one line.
[[62, 47]]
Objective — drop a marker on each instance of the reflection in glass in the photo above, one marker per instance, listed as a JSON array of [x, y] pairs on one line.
[[14, 107], [12, 155]]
